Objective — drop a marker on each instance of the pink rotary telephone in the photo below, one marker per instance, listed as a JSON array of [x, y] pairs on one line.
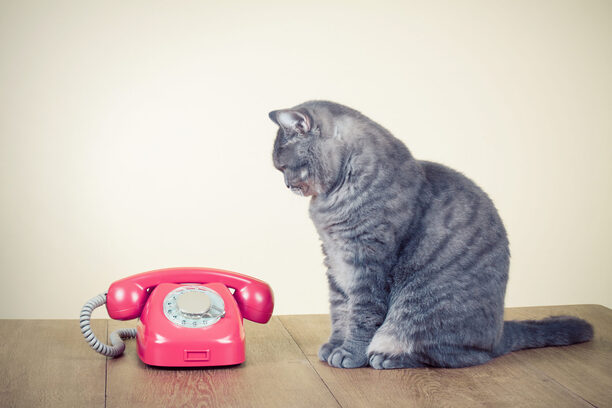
[[188, 316]]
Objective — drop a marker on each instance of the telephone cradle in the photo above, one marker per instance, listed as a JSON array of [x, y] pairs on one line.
[[188, 317]]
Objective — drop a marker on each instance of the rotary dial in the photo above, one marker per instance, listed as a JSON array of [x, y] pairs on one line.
[[193, 306]]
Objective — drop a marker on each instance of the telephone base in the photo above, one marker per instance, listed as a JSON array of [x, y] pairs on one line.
[[162, 342], [204, 357]]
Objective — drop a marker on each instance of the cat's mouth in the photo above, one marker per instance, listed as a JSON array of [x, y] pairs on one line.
[[297, 190], [298, 183], [301, 189]]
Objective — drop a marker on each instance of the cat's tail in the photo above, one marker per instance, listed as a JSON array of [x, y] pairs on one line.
[[552, 331]]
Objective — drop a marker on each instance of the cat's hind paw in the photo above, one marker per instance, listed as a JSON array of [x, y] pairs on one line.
[[381, 361], [342, 358]]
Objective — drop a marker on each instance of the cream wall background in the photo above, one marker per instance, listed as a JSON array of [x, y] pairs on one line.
[[134, 135]]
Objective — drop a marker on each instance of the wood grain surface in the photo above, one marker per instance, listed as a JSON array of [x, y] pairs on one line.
[[585, 369], [275, 374], [577, 375], [46, 363]]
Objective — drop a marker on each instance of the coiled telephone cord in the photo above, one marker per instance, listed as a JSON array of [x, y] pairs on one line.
[[116, 337]]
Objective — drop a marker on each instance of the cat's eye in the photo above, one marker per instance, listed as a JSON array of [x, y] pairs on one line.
[[288, 137]]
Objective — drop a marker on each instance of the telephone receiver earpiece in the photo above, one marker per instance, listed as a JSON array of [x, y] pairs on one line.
[[126, 297]]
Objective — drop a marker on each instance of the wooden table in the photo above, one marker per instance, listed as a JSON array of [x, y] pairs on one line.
[[46, 363]]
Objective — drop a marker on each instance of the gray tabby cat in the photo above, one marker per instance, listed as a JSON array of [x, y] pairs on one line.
[[417, 254]]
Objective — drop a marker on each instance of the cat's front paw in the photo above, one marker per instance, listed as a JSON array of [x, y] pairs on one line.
[[326, 349], [343, 358]]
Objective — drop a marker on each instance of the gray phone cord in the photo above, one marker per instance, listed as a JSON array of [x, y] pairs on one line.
[[116, 337]]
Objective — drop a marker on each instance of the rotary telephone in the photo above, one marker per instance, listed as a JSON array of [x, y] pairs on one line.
[[187, 316]]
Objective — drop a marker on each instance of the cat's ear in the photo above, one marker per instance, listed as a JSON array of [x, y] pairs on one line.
[[291, 120]]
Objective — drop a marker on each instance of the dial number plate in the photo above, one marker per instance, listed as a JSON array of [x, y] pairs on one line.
[[212, 310]]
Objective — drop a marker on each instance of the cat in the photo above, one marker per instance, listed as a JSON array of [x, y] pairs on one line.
[[417, 256]]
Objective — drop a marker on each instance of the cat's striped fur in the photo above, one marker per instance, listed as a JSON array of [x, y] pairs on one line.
[[417, 254]]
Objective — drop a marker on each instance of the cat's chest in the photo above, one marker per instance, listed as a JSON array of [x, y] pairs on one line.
[[340, 269], [334, 231]]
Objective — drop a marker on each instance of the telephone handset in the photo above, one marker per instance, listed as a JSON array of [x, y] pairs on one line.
[[187, 316]]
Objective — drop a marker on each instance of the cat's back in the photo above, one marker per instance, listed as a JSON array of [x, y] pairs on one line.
[[445, 180], [448, 187], [458, 217]]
